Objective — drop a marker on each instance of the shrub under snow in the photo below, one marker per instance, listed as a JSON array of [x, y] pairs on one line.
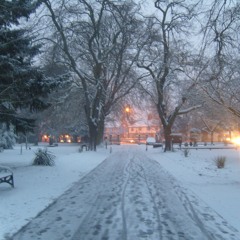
[[220, 161], [7, 137], [44, 157]]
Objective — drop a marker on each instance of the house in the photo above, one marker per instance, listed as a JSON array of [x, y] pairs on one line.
[[133, 130]]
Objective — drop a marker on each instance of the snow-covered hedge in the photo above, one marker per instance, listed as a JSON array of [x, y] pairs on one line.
[[7, 137]]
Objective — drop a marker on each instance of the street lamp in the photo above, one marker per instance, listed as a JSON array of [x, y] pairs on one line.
[[127, 109]]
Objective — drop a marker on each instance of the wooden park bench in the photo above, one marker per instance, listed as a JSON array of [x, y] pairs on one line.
[[82, 146], [156, 145], [6, 175]]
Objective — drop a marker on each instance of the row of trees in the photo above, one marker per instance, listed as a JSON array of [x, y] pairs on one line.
[[104, 51]]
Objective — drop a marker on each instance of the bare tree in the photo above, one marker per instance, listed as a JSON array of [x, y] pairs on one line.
[[166, 57], [97, 42], [221, 74]]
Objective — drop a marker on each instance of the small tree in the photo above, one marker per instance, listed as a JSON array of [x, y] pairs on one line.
[[210, 126]]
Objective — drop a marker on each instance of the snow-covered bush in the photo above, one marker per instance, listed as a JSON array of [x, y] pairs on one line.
[[44, 157], [220, 161], [7, 137]]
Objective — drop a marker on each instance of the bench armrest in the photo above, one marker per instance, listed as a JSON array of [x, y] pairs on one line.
[[4, 169]]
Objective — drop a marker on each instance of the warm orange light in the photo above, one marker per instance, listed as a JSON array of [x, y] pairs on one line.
[[236, 140], [127, 109]]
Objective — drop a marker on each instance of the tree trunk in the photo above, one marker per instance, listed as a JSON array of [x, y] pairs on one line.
[[212, 137], [93, 134], [168, 139], [100, 131]]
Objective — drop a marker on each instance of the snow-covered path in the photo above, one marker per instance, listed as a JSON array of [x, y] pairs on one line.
[[128, 196]]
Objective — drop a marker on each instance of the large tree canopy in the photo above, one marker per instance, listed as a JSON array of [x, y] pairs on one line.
[[97, 40], [21, 84], [168, 59], [220, 45]]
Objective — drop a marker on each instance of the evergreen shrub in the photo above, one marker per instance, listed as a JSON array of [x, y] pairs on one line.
[[220, 161], [7, 137], [44, 158]]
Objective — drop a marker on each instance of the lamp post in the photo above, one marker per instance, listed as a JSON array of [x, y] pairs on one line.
[[127, 112]]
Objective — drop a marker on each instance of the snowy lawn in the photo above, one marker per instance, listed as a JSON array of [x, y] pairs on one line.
[[218, 188], [36, 187]]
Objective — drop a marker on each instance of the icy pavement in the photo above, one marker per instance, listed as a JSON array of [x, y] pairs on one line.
[[128, 196]]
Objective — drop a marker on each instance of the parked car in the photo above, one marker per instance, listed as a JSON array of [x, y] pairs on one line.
[[150, 141]]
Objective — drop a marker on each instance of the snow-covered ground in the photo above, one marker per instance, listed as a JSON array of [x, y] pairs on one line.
[[219, 188], [37, 187]]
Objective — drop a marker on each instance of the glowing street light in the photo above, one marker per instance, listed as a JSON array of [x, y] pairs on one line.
[[236, 141], [127, 109]]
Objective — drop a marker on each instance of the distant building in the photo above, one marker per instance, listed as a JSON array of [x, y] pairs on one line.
[[134, 131]]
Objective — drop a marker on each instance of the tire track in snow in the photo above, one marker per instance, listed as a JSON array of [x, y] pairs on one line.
[[164, 199], [165, 224], [206, 218], [142, 174], [123, 196], [202, 222]]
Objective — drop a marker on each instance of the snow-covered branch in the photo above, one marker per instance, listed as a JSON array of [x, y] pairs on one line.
[[190, 109]]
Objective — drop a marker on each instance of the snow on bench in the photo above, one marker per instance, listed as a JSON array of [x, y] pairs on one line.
[[6, 175]]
